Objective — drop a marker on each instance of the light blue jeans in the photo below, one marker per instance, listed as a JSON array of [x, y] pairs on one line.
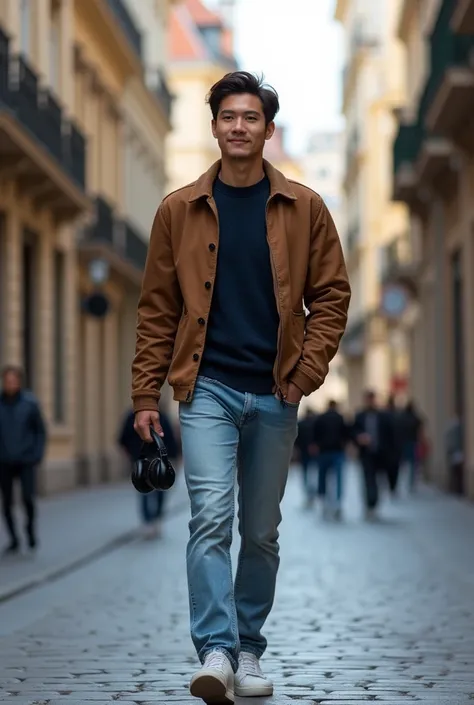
[[225, 434]]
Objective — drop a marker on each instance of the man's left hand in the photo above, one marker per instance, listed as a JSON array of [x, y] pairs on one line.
[[295, 394]]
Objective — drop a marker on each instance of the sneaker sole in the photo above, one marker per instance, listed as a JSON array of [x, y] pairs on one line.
[[261, 691], [212, 690]]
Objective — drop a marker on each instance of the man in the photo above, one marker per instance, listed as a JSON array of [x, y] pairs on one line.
[[232, 258], [331, 436], [22, 446], [374, 436], [151, 504]]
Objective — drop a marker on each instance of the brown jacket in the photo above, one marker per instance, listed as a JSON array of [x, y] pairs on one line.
[[308, 267]]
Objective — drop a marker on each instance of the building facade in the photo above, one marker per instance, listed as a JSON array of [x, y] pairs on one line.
[[433, 174], [82, 133], [200, 47], [373, 87], [323, 170]]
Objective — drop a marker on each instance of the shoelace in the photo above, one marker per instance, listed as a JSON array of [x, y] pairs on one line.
[[215, 660], [250, 665]]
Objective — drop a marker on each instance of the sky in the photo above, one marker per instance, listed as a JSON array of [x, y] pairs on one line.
[[300, 53]]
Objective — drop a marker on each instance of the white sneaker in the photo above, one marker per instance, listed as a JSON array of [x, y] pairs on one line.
[[249, 679], [214, 682]]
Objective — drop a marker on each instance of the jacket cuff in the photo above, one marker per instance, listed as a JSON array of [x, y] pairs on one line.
[[145, 403], [307, 384]]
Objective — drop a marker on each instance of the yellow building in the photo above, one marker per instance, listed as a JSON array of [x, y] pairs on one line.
[[374, 345], [200, 53], [433, 173], [82, 131]]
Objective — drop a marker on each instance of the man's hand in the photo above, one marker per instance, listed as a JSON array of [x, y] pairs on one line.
[[294, 394], [143, 421]]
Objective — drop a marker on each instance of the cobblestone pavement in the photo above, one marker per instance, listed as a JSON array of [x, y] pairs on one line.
[[379, 612]]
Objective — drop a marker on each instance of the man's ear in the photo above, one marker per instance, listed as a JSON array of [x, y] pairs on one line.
[[213, 128], [270, 130]]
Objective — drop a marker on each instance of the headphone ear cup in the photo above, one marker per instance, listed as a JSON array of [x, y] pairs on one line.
[[139, 477], [168, 475]]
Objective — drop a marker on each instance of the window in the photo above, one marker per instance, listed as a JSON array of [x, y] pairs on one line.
[[25, 26], [59, 332]]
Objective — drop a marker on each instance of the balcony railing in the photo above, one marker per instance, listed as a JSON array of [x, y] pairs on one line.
[[163, 93], [135, 247], [39, 113], [127, 24], [117, 235], [446, 50], [407, 145]]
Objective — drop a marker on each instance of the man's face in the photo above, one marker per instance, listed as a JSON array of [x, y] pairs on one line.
[[370, 400], [240, 127], [11, 383]]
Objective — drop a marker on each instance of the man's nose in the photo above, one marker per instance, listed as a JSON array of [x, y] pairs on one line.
[[239, 125]]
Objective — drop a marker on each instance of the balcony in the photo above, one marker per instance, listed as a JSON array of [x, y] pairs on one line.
[[462, 21], [159, 86], [127, 25], [447, 102], [406, 148], [397, 263], [40, 148], [115, 240]]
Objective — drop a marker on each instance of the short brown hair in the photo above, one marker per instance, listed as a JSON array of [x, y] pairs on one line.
[[244, 82]]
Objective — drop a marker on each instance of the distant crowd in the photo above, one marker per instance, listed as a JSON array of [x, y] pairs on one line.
[[385, 438]]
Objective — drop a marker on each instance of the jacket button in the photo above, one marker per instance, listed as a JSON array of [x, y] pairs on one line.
[[208, 285], [195, 357], [201, 321], [212, 247]]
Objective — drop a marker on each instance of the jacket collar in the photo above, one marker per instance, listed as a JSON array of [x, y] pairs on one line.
[[279, 185]]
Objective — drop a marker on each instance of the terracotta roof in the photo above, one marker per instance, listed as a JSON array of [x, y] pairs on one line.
[[201, 14], [184, 42]]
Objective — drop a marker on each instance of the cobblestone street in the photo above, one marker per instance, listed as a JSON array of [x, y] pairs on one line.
[[379, 612]]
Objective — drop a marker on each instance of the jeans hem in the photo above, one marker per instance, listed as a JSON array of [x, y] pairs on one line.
[[252, 650], [233, 661]]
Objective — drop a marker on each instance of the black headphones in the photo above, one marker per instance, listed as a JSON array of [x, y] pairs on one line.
[[153, 469]]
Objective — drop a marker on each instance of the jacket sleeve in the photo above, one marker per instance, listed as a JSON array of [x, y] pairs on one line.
[[159, 311], [326, 295]]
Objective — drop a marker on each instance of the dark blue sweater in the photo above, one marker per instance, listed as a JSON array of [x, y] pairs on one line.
[[241, 342]]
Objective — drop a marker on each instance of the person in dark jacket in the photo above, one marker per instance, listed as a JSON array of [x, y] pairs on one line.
[[22, 448], [151, 504], [331, 435], [411, 430], [374, 436], [394, 455]]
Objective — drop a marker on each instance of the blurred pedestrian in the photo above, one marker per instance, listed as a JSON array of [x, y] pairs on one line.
[[394, 455], [307, 456], [22, 448], [331, 437], [412, 436], [234, 260], [373, 434], [151, 504]]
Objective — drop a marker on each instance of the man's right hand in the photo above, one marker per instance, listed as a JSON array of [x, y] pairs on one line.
[[143, 421]]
